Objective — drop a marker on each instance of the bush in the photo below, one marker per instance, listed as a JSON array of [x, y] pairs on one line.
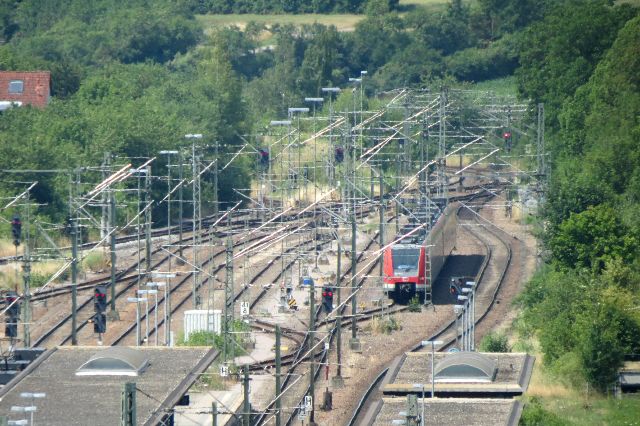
[[38, 280], [239, 340], [385, 324], [494, 342], [96, 261], [534, 415], [414, 305]]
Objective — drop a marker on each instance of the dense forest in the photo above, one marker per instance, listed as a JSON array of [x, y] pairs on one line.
[[131, 79]]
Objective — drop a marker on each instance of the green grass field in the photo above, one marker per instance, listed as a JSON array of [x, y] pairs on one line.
[[343, 22]]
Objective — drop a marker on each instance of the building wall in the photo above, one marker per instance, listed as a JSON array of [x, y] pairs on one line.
[[36, 87]]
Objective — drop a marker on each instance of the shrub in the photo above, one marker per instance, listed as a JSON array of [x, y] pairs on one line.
[[534, 415], [384, 324], [414, 305], [96, 261], [494, 342]]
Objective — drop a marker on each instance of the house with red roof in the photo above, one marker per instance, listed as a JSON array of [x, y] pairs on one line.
[[19, 88]]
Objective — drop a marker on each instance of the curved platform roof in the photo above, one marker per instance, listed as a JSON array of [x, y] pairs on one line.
[[114, 361], [465, 367]]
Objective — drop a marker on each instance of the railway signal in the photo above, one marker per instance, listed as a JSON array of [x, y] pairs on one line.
[[100, 299], [14, 308], [12, 315], [339, 154], [99, 323], [327, 299], [264, 157], [11, 327], [100, 306], [507, 140], [16, 230]]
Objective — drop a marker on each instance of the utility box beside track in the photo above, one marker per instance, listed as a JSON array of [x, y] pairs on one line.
[[202, 320]]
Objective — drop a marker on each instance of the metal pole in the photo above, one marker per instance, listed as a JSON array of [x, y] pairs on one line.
[[112, 248], [422, 417], [138, 230], [339, 314], [381, 231], [155, 316], [27, 280], [167, 293], [195, 299], [457, 328], [433, 382], [138, 323], [128, 404], [228, 297], [473, 318], [464, 327], [246, 410], [147, 220], [167, 313], [215, 180], [146, 319], [214, 414], [312, 312], [353, 272], [180, 212], [74, 281], [278, 377]]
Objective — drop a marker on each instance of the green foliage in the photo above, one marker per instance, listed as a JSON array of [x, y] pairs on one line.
[[271, 6], [535, 415], [201, 338], [584, 323], [591, 238], [498, 59], [560, 53], [497, 17], [385, 324], [96, 261], [414, 305], [495, 342], [38, 280], [239, 340]]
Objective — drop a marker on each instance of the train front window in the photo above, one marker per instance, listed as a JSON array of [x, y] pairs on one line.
[[405, 261]]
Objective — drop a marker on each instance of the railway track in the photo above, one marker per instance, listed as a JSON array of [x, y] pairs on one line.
[[299, 356], [130, 280], [127, 282], [295, 359], [237, 295], [448, 332]]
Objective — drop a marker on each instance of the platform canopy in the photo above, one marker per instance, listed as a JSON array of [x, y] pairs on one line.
[[114, 361], [465, 367]]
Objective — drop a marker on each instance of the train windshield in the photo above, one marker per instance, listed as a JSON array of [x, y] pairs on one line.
[[405, 261]]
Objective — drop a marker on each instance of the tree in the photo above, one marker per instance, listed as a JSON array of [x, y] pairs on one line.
[[558, 54], [322, 56], [607, 333], [591, 238]]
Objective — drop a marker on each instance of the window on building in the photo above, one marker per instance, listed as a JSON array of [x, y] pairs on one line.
[[16, 86]]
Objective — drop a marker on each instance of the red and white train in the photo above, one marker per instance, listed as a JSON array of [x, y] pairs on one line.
[[410, 267]]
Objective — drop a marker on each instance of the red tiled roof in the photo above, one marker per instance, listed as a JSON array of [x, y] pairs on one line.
[[36, 88]]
